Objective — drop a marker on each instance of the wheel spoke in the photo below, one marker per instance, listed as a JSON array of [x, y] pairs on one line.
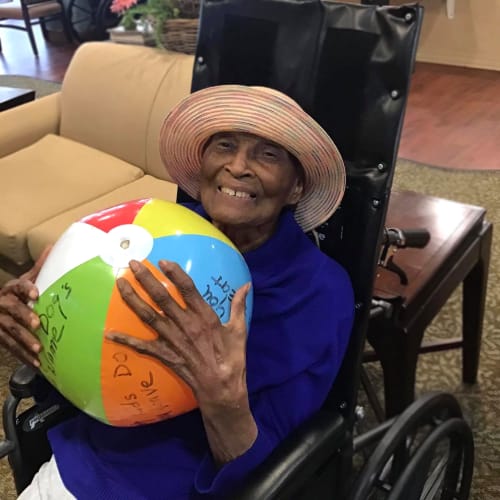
[[435, 480]]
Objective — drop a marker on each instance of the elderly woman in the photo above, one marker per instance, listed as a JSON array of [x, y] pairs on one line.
[[264, 172]]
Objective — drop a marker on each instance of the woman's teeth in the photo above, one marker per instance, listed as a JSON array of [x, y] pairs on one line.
[[232, 192]]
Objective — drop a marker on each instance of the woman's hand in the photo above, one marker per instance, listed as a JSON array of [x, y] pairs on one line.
[[208, 355], [17, 319]]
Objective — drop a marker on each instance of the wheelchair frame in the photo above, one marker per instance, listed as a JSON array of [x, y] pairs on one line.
[[314, 456]]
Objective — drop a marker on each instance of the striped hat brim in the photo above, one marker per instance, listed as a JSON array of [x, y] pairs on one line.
[[263, 112]]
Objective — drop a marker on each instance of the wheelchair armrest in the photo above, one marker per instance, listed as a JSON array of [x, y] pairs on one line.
[[6, 447], [296, 459], [26, 441], [26, 382], [22, 382]]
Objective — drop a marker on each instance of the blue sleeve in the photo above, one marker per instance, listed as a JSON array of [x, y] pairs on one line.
[[277, 411]]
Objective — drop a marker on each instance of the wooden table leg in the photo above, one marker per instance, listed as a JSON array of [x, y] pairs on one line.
[[397, 351], [473, 302]]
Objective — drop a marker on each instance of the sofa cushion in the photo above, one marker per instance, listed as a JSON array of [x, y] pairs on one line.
[[49, 231], [47, 178]]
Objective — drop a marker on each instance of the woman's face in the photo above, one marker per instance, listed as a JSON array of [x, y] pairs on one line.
[[247, 180]]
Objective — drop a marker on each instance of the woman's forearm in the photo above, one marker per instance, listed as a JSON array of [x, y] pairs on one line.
[[231, 429]]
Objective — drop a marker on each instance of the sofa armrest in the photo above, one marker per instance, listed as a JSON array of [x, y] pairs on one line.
[[26, 124]]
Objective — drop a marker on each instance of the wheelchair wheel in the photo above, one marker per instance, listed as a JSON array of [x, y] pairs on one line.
[[426, 454], [89, 19], [437, 468]]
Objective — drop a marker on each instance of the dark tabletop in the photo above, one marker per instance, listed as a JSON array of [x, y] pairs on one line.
[[10, 97]]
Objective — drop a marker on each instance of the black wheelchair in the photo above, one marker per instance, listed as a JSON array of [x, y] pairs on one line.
[[90, 19], [349, 66]]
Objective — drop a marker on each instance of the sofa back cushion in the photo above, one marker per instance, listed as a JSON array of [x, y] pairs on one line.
[[115, 96]]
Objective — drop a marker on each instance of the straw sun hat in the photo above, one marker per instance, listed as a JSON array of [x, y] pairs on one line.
[[263, 112]]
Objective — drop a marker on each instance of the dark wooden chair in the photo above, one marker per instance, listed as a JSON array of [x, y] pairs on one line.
[[458, 253], [33, 12]]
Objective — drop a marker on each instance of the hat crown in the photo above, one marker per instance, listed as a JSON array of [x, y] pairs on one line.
[[277, 94]]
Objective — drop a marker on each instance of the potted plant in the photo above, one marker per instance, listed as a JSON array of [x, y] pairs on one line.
[[156, 22]]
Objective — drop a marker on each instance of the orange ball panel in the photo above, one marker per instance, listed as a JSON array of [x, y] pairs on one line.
[[142, 385]]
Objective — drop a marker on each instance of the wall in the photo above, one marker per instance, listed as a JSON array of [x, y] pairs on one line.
[[471, 38]]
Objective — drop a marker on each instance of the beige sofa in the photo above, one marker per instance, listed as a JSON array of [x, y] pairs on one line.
[[88, 147]]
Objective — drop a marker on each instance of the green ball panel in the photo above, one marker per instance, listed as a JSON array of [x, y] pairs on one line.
[[73, 312]]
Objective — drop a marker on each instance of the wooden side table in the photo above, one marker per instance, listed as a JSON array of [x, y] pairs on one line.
[[10, 97], [458, 252]]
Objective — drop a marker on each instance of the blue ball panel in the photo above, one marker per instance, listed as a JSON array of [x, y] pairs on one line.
[[216, 269]]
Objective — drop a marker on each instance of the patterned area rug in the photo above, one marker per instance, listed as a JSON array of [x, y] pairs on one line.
[[436, 371]]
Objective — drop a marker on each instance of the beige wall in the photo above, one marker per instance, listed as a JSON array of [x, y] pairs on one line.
[[471, 38]]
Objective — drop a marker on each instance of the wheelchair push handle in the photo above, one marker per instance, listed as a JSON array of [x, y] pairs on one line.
[[406, 238], [393, 239]]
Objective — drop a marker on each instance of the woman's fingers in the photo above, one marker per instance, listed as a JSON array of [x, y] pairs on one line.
[[184, 284], [17, 320], [239, 305], [22, 314], [138, 345], [32, 274], [152, 348], [175, 308], [162, 324], [24, 289], [145, 312], [17, 350], [155, 289], [237, 318], [18, 340], [14, 308]]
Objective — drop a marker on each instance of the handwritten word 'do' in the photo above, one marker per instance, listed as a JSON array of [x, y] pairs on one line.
[[121, 368]]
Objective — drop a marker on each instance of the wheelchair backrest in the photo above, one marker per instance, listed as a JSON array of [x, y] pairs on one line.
[[349, 66]]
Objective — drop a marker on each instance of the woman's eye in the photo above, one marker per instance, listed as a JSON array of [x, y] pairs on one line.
[[224, 145], [270, 154]]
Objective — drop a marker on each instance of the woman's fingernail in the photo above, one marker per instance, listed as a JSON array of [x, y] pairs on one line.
[[134, 265], [34, 322], [36, 363], [33, 295], [36, 348]]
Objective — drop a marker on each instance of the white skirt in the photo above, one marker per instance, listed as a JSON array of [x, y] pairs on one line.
[[47, 485]]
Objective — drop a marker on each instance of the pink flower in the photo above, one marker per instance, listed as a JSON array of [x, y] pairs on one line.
[[118, 6]]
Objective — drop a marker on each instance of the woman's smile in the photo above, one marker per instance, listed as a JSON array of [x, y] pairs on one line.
[[234, 193]]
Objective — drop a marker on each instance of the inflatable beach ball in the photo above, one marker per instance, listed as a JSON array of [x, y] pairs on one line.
[[79, 301]]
